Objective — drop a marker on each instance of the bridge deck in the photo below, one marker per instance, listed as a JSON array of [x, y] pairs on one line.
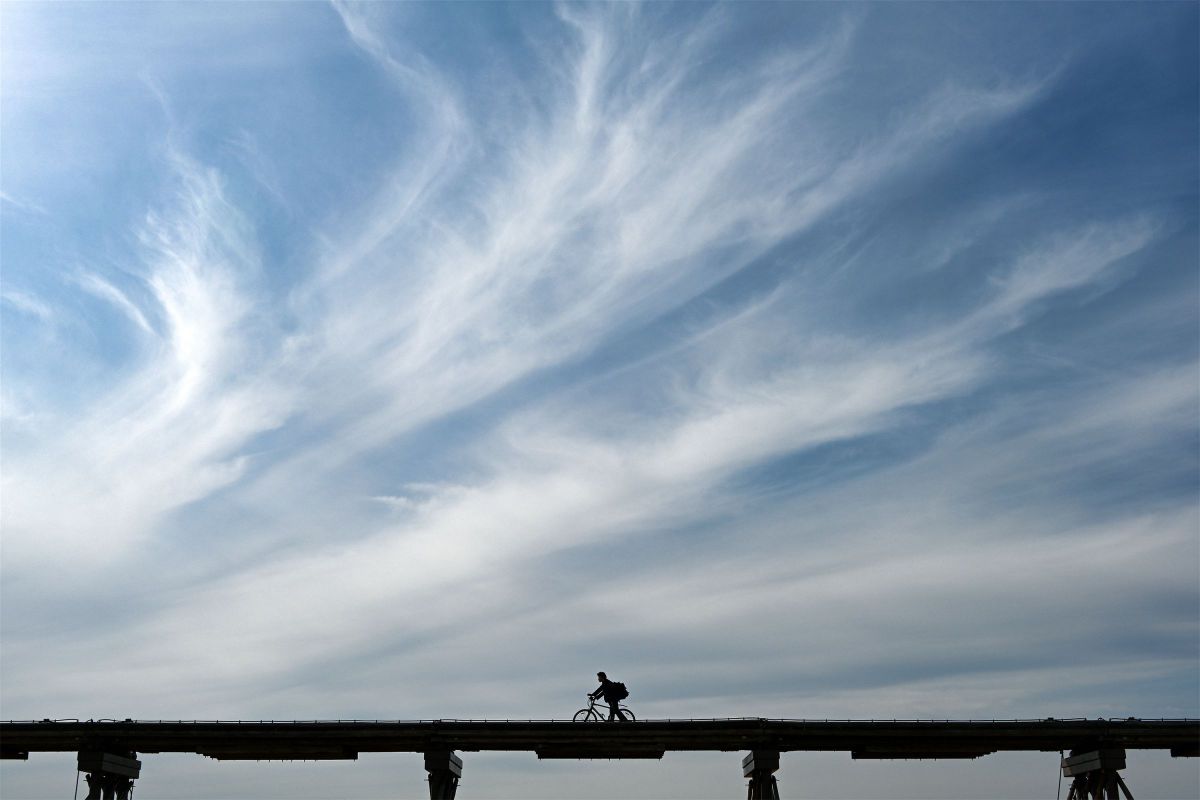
[[561, 739]]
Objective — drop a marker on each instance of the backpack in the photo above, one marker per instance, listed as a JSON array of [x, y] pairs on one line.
[[621, 692]]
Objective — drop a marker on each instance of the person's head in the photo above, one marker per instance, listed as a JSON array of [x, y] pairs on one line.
[[601, 676]]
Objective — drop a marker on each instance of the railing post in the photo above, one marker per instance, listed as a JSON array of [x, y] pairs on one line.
[[760, 767], [444, 768]]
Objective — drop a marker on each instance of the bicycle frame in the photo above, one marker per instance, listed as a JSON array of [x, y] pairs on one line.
[[600, 714]]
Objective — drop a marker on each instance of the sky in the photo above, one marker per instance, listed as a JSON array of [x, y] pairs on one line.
[[417, 361]]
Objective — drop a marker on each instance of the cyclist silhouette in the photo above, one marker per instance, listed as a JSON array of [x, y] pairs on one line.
[[612, 695]]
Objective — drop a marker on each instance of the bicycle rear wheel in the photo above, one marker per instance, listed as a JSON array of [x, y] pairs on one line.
[[625, 712], [585, 715]]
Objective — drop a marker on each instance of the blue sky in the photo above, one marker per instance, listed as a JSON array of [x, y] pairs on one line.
[[417, 361]]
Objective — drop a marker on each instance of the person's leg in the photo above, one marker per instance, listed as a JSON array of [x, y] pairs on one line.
[[615, 711]]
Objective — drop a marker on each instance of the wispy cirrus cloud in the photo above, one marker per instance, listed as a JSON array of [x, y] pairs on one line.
[[590, 224], [25, 206], [27, 304], [556, 481], [98, 286], [168, 433]]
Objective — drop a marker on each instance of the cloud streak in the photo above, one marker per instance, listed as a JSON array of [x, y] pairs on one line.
[[170, 432]]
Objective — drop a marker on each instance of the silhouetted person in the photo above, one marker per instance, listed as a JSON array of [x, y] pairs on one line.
[[612, 695]]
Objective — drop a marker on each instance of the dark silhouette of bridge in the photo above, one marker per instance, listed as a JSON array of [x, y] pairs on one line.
[[108, 749]]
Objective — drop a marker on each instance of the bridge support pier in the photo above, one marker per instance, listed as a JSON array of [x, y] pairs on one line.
[[444, 768], [1096, 774], [109, 776], [760, 767]]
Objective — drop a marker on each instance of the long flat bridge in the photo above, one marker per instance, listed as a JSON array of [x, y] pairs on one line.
[[108, 749]]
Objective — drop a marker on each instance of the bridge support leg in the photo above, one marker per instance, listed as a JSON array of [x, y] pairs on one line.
[[109, 776], [760, 767], [1096, 774], [444, 770]]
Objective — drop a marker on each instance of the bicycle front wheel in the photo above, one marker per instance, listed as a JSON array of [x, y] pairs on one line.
[[585, 715]]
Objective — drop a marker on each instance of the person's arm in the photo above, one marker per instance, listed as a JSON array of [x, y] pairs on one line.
[[594, 695]]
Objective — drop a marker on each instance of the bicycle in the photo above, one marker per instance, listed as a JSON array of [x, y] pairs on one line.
[[593, 714]]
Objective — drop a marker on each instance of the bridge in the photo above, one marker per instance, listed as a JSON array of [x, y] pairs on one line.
[[108, 750]]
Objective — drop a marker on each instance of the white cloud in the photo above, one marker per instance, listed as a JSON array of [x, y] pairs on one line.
[[584, 223], [170, 432], [1080, 258], [21, 205], [557, 480], [98, 286], [27, 304]]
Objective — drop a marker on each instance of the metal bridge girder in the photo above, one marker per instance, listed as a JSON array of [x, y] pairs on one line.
[[107, 747]]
